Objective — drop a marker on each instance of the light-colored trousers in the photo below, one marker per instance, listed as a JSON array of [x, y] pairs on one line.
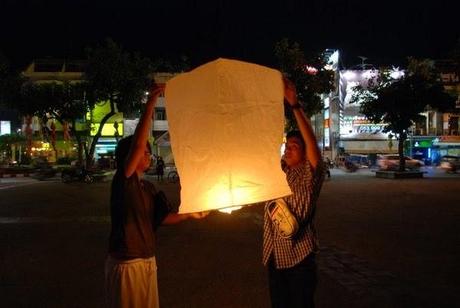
[[131, 283]]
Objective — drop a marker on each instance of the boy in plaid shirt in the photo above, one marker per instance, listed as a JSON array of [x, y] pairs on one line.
[[291, 262]]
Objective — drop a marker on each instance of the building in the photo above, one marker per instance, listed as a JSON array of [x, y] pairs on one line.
[[429, 140], [440, 134], [358, 135], [328, 128], [118, 126], [49, 140], [160, 133]]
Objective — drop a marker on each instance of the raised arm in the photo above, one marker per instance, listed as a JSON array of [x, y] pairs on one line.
[[313, 152], [141, 134]]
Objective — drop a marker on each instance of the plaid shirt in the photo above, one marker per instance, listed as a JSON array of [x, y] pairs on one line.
[[305, 185]]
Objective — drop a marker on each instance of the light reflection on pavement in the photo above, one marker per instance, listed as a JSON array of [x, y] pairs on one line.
[[11, 182]]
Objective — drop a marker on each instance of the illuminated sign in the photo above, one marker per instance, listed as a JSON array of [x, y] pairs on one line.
[[360, 127], [448, 139], [107, 130], [332, 61], [96, 115], [369, 129], [5, 127], [327, 141]]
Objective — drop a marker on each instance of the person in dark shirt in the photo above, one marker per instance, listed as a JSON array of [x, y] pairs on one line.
[[160, 166], [137, 209]]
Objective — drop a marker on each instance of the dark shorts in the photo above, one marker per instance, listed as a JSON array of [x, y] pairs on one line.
[[293, 287]]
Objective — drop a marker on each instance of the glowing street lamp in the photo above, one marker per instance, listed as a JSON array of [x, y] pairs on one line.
[[396, 73], [226, 124]]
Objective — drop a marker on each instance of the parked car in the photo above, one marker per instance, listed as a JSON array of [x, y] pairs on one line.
[[345, 163], [361, 161], [391, 162], [450, 163], [45, 172]]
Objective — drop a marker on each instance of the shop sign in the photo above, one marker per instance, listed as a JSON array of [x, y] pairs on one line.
[[423, 144], [449, 139], [369, 129]]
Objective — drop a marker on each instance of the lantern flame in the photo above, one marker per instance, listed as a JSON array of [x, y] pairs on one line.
[[229, 210]]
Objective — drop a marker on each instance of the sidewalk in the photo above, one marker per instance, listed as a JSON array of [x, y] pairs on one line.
[[384, 243], [8, 182]]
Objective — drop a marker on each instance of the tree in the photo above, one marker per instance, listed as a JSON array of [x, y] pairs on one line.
[[165, 65], [10, 82], [118, 78], [307, 73], [64, 102], [6, 142], [454, 55], [4, 77], [399, 102], [112, 76]]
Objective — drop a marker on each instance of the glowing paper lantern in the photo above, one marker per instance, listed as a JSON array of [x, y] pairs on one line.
[[226, 125]]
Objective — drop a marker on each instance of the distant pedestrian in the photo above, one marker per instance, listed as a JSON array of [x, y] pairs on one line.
[[160, 168], [136, 209], [327, 166], [291, 261]]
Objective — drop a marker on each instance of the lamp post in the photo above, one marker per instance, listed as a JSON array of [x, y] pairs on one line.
[[410, 136], [334, 124]]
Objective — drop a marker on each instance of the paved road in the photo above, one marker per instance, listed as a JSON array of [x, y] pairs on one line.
[[385, 243]]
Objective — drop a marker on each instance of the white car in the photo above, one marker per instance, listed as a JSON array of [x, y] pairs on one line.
[[391, 162], [450, 163]]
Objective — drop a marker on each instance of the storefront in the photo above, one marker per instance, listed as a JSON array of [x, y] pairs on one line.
[[445, 145], [359, 136], [421, 148]]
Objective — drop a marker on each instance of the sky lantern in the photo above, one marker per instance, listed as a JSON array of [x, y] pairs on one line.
[[226, 124]]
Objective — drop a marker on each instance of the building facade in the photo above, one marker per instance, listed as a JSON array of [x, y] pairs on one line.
[[429, 140], [358, 135], [118, 126]]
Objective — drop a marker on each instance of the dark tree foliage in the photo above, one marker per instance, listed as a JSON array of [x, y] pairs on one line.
[[117, 77], [64, 102], [455, 57], [307, 73], [7, 140], [10, 82], [399, 102], [112, 76], [168, 66], [3, 75]]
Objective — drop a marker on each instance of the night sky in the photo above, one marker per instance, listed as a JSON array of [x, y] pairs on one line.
[[383, 31]]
